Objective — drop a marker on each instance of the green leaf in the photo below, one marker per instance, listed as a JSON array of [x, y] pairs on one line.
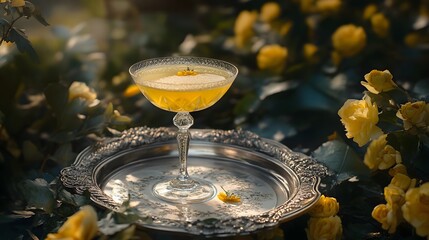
[[73, 199], [28, 9], [56, 96], [94, 124], [308, 97], [37, 194], [31, 153], [247, 104], [421, 88], [109, 110], [17, 215], [68, 120], [341, 158], [108, 226], [407, 144], [275, 87], [274, 128], [38, 16], [64, 154], [22, 43], [4, 23]]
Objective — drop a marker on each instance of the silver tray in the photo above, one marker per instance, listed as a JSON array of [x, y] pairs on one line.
[[274, 183]]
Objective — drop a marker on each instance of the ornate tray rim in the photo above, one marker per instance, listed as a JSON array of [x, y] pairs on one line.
[[80, 177]]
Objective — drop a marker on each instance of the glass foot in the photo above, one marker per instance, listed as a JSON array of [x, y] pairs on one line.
[[196, 192]]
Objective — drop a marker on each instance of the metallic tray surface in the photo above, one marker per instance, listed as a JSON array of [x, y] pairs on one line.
[[274, 183]]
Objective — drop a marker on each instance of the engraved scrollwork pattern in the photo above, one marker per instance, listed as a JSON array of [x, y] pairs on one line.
[[79, 176]]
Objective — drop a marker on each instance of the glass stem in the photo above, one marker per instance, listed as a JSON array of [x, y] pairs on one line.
[[183, 121]]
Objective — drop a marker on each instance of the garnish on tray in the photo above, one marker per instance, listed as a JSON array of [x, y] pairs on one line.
[[228, 197]]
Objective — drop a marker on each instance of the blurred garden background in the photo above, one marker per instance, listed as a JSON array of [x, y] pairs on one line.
[[305, 79]]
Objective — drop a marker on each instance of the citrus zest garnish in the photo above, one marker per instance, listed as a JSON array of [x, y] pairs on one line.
[[228, 197], [187, 72]]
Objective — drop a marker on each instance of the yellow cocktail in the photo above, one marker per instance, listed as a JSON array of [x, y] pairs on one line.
[[183, 85], [171, 90]]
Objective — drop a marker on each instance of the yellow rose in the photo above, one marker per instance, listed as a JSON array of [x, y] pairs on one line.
[[320, 6], [285, 28], [270, 11], [369, 11], [306, 5], [416, 209], [403, 181], [412, 39], [272, 57], [398, 168], [379, 81], [325, 207], [81, 90], [326, 228], [243, 27], [380, 155], [310, 52], [17, 3], [360, 117], [348, 40], [394, 195], [326, 6], [380, 25], [388, 216], [379, 213], [80, 226], [414, 114]]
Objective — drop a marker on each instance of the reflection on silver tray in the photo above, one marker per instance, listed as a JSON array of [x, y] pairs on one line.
[[275, 184]]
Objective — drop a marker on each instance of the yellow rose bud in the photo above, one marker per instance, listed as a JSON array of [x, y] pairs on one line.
[[369, 11], [17, 3], [379, 213], [348, 40], [270, 11], [416, 209], [380, 25], [81, 90], [81, 225], [360, 117], [414, 114], [243, 27], [388, 216], [325, 207], [379, 81], [324, 228], [272, 57]]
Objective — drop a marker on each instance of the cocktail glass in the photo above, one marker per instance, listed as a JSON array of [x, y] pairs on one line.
[[182, 85]]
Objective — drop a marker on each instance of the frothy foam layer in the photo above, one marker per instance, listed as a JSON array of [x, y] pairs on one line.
[[202, 78]]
